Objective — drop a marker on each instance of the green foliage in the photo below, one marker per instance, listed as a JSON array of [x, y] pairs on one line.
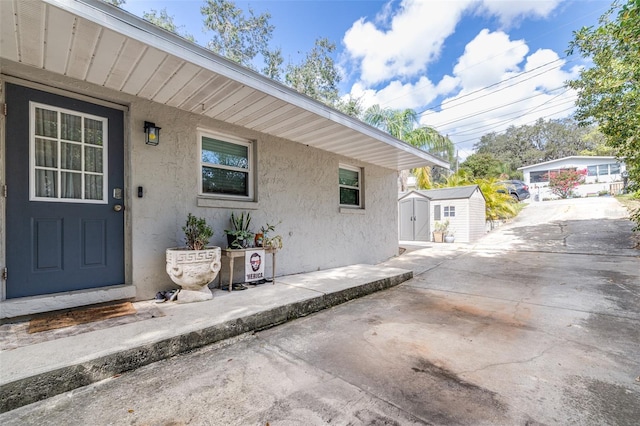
[[163, 20], [609, 91], [423, 177], [236, 36], [482, 165], [404, 125], [240, 229], [542, 141], [116, 3], [197, 233], [499, 205], [441, 226], [317, 76], [563, 182]]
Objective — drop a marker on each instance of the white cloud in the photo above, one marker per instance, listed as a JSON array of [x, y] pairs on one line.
[[519, 93], [392, 56], [413, 38], [486, 57], [509, 12], [398, 95]]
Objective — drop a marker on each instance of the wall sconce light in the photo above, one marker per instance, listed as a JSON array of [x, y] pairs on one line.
[[152, 133]]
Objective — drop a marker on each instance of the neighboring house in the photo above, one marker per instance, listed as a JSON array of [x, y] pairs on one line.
[[90, 207], [463, 206], [604, 174]]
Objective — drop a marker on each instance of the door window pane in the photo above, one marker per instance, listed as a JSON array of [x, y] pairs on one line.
[[93, 187], [70, 127], [70, 185], [70, 156], [93, 159], [46, 182], [68, 151], [93, 133], [46, 153], [46, 123]]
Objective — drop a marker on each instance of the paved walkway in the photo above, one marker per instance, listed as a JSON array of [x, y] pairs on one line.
[[38, 366]]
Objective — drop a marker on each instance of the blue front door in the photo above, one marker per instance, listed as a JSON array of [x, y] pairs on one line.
[[65, 187]]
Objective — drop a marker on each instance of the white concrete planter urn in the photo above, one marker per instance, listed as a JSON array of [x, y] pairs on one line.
[[193, 270], [196, 265]]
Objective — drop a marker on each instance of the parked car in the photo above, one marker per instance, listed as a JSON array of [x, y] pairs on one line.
[[516, 188]]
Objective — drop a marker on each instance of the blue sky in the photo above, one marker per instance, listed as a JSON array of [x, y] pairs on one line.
[[469, 67]]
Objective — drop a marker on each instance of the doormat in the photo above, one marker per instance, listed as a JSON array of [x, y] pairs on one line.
[[80, 316]]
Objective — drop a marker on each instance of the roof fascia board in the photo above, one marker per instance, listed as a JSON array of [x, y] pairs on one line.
[[571, 157], [125, 23]]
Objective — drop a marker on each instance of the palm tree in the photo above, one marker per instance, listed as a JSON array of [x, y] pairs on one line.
[[404, 125]]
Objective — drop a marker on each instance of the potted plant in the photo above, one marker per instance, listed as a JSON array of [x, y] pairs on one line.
[[271, 242], [239, 235], [193, 267], [440, 229], [449, 237]]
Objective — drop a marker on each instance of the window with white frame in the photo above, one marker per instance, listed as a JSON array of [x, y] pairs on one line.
[[226, 166], [350, 183], [449, 211], [614, 168], [68, 159]]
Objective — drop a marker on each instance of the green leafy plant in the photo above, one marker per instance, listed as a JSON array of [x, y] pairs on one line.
[[240, 230], [197, 233], [271, 242], [441, 226]]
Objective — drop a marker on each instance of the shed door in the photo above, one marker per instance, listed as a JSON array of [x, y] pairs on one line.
[[406, 219], [414, 219], [421, 220], [65, 181]]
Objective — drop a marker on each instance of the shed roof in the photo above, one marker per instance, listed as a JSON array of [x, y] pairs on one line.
[[95, 42], [456, 192]]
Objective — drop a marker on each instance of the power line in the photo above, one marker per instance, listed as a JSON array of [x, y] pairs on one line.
[[528, 122], [496, 84], [498, 124], [536, 107], [499, 107], [540, 35]]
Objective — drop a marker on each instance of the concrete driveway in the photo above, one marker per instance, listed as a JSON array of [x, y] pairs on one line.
[[538, 323]]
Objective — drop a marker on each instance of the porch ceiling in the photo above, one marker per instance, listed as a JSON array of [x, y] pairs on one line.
[[92, 41]]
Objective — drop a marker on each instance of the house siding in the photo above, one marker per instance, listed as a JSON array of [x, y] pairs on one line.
[[477, 216], [457, 224], [591, 185], [295, 184]]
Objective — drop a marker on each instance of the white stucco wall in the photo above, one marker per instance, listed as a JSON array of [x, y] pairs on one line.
[[296, 185]]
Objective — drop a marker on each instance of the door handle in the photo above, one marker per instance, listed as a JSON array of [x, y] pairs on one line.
[[117, 207]]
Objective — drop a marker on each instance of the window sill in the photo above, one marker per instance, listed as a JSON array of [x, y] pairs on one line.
[[352, 210], [226, 204]]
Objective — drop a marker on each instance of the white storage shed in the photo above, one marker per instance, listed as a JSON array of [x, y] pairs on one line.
[[463, 206]]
